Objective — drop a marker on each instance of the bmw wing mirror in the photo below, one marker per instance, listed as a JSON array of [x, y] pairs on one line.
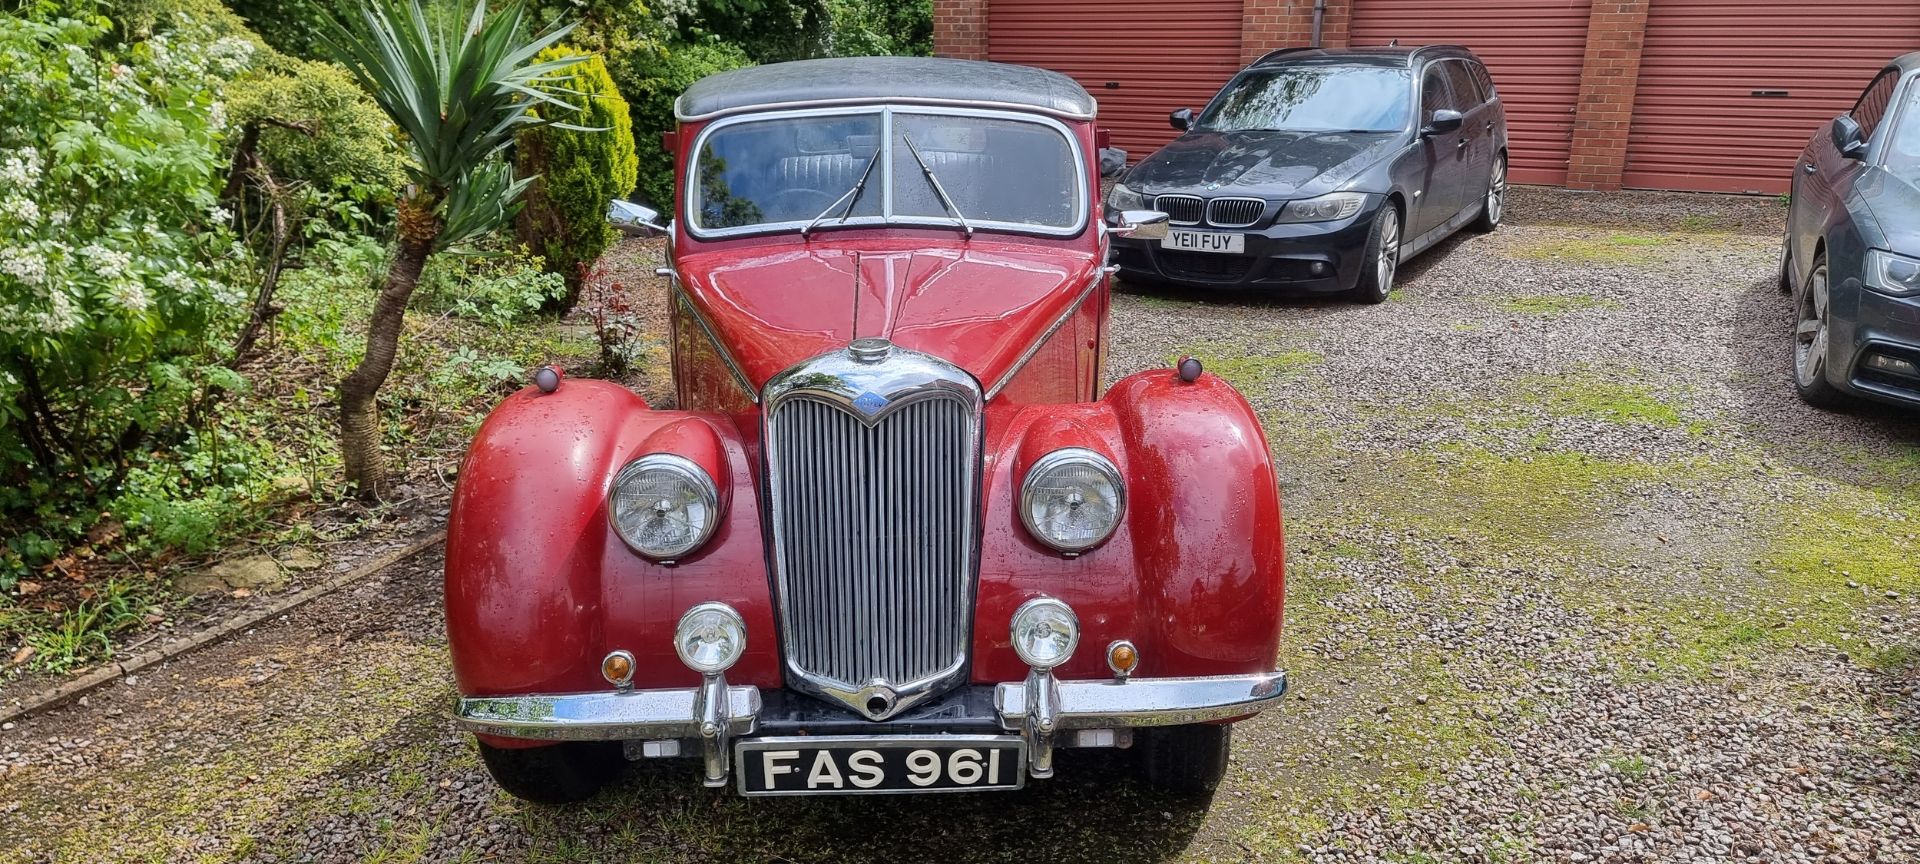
[[633, 219], [1443, 120], [1848, 138], [1140, 224], [1181, 119]]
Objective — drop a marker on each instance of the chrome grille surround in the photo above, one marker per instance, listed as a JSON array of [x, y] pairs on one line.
[[1180, 209], [1236, 212], [873, 496]]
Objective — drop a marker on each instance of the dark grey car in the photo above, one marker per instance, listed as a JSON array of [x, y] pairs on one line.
[[1852, 250], [1321, 170]]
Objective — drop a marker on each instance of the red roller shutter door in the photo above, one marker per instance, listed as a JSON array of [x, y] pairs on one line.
[[1139, 59], [1533, 48], [1730, 90]]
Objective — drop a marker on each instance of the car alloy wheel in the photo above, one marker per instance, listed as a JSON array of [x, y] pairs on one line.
[[1497, 192], [1389, 259], [1810, 333]]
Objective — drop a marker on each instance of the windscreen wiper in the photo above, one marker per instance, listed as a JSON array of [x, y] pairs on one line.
[[851, 196], [945, 200]]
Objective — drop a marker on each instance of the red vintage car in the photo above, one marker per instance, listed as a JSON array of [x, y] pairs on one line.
[[895, 535]]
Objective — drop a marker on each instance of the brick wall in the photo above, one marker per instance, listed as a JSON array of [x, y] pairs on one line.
[[960, 29], [1608, 75], [1270, 24]]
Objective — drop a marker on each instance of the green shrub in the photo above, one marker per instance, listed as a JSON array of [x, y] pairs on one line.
[[863, 28], [493, 288], [292, 26], [565, 215], [652, 80], [114, 260], [350, 146]]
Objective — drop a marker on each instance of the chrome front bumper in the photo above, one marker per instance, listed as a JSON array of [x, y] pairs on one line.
[[715, 713]]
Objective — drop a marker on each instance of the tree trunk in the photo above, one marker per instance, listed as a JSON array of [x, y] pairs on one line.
[[359, 406]]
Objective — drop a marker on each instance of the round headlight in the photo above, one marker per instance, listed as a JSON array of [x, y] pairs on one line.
[[663, 505], [711, 636], [1072, 499], [1045, 632]]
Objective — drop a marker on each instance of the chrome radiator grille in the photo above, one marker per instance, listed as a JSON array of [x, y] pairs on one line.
[[1235, 212], [1180, 209], [874, 536]]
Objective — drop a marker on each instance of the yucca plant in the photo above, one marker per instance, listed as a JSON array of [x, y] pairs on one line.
[[458, 95]]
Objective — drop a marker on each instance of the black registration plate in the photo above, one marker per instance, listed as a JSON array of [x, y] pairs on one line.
[[809, 765]]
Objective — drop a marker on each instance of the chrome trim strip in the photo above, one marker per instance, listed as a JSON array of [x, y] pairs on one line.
[[848, 384], [863, 742], [1258, 213], [609, 716], [726, 357], [1144, 701], [836, 103], [886, 110], [1033, 349]]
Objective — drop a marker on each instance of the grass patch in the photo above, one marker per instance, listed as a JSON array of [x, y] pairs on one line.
[[1554, 304], [1506, 499], [1598, 398], [1617, 248]]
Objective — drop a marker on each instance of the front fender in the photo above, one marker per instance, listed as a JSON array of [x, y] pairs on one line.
[[1194, 576], [538, 586]]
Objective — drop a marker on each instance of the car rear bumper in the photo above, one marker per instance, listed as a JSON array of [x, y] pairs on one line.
[[1278, 257], [1885, 327], [1044, 710]]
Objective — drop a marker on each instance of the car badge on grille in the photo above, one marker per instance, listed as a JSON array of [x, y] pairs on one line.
[[1212, 186], [870, 403]]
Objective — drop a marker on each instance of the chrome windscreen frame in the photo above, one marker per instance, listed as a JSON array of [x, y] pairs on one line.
[[843, 378], [1083, 208]]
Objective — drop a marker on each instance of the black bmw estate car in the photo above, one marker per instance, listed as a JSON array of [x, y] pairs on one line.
[[1852, 254], [1321, 170]]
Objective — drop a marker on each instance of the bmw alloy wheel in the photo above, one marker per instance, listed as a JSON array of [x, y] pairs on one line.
[[1810, 333], [1389, 251]]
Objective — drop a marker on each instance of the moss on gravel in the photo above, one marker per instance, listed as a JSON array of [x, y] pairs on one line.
[[1598, 397], [1554, 304], [1254, 369]]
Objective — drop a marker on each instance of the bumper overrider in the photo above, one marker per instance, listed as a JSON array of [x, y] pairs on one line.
[[1043, 711]]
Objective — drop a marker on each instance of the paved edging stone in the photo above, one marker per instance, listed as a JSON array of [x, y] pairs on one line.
[[62, 693]]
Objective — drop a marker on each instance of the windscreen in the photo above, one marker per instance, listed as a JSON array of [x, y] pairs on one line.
[[862, 168], [1312, 98]]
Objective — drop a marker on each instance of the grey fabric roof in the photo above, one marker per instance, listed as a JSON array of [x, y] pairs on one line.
[[872, 79]]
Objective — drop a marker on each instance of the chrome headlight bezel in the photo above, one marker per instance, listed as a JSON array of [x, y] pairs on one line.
[[708, 495], [1044, 610], [1330, 207], [1123, 197], [1881, 267], [726, 616], [1063, 458]]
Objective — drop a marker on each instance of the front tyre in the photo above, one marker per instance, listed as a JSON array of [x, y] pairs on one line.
[[1184, 760], [1811, 335], [554, 774], [1494, 205], [1381, 257]]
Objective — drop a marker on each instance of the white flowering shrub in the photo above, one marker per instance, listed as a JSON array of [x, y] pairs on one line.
[[113, 256]]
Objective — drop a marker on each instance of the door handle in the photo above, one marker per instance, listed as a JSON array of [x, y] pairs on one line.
[[1807, 167], [1489, 125], [1462, 145]]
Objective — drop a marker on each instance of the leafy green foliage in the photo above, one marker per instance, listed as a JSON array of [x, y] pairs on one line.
[[493, 289], [875, 27], [293, 26], [651, 82], [578, 172], [347, 146], [112, 272]]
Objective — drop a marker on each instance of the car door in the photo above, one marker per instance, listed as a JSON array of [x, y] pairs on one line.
[[1435, 200], [1823, 175], [1476, 145]]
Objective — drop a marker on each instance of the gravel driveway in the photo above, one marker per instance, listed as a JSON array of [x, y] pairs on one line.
[[1573, 577]]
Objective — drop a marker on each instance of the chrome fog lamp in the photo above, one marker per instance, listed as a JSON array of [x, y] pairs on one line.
[[710, 638], [1045, 632], [1072, 499], [663, 506]]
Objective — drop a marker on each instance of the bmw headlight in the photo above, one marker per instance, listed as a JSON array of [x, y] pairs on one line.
[[1123, 198], [1326, 208], [1072, 499], [663, 505], [1889, 273], [1045, 632], [711, 637]]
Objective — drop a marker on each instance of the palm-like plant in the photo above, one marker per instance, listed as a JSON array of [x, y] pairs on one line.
[[458, 95]]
